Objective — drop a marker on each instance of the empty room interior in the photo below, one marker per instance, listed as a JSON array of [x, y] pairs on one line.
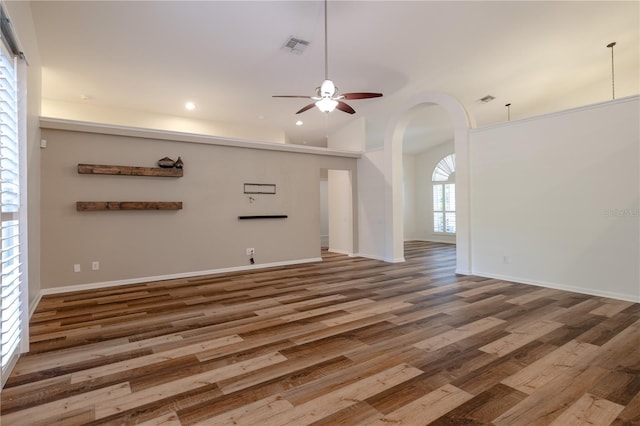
[[325, 212]]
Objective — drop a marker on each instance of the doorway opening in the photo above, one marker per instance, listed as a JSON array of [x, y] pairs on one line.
[[428, 187], [337, 233], [398, 129]]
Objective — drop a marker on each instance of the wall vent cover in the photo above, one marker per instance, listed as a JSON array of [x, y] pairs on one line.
[[486, 99], [295, 45]]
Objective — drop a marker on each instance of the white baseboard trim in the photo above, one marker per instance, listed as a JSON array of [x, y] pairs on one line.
[[431, 240], [383, 259], [371, 256], [105, 284], [33, 305], [556, 286], [338, 251]]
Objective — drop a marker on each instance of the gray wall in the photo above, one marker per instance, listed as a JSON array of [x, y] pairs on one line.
[[205, 236]]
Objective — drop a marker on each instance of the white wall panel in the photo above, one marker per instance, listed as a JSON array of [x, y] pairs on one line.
[[555, 200]]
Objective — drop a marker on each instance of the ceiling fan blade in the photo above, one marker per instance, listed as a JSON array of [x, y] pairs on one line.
[[346, 108], [291, 96], [361, 95], [308, 107]]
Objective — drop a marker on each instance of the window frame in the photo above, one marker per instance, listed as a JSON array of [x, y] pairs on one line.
[[17, 146], [443, 176]]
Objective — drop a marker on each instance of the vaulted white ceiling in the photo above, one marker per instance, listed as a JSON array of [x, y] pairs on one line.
[[227, 57]]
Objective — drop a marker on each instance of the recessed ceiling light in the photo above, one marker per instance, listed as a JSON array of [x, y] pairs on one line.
[[299, 123], [190, 106], [85, 97]]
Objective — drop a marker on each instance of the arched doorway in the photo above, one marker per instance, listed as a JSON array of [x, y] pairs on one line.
[[394, 230], [427, 140]]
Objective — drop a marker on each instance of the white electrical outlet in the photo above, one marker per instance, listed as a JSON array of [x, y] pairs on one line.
[[76, 267], [251, 251], [95, 265]]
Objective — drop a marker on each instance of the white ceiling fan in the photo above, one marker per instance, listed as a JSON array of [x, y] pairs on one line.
[[327, 97]]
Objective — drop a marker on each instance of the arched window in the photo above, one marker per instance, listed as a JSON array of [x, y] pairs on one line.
[[444, 196]]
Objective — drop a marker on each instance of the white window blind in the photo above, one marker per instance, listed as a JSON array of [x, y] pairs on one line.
[[444, 169], [11, 288], [444, 207], [444, 196]]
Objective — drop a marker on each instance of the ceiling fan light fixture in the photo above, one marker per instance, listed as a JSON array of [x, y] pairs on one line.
[[327, 88], [327, 98], [326, 104]]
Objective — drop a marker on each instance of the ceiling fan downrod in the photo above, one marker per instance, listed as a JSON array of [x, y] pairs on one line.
[[326, 45]]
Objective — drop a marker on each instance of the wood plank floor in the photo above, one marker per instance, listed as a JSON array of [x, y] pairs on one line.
[[346, 341]]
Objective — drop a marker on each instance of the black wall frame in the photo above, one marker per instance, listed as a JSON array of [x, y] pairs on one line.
[[259, 188]]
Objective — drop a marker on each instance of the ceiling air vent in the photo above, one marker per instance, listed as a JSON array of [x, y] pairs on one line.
[[486, 99], [295, 45]]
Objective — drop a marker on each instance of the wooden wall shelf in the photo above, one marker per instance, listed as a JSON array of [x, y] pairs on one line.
[[101, 169], [90, 206]]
